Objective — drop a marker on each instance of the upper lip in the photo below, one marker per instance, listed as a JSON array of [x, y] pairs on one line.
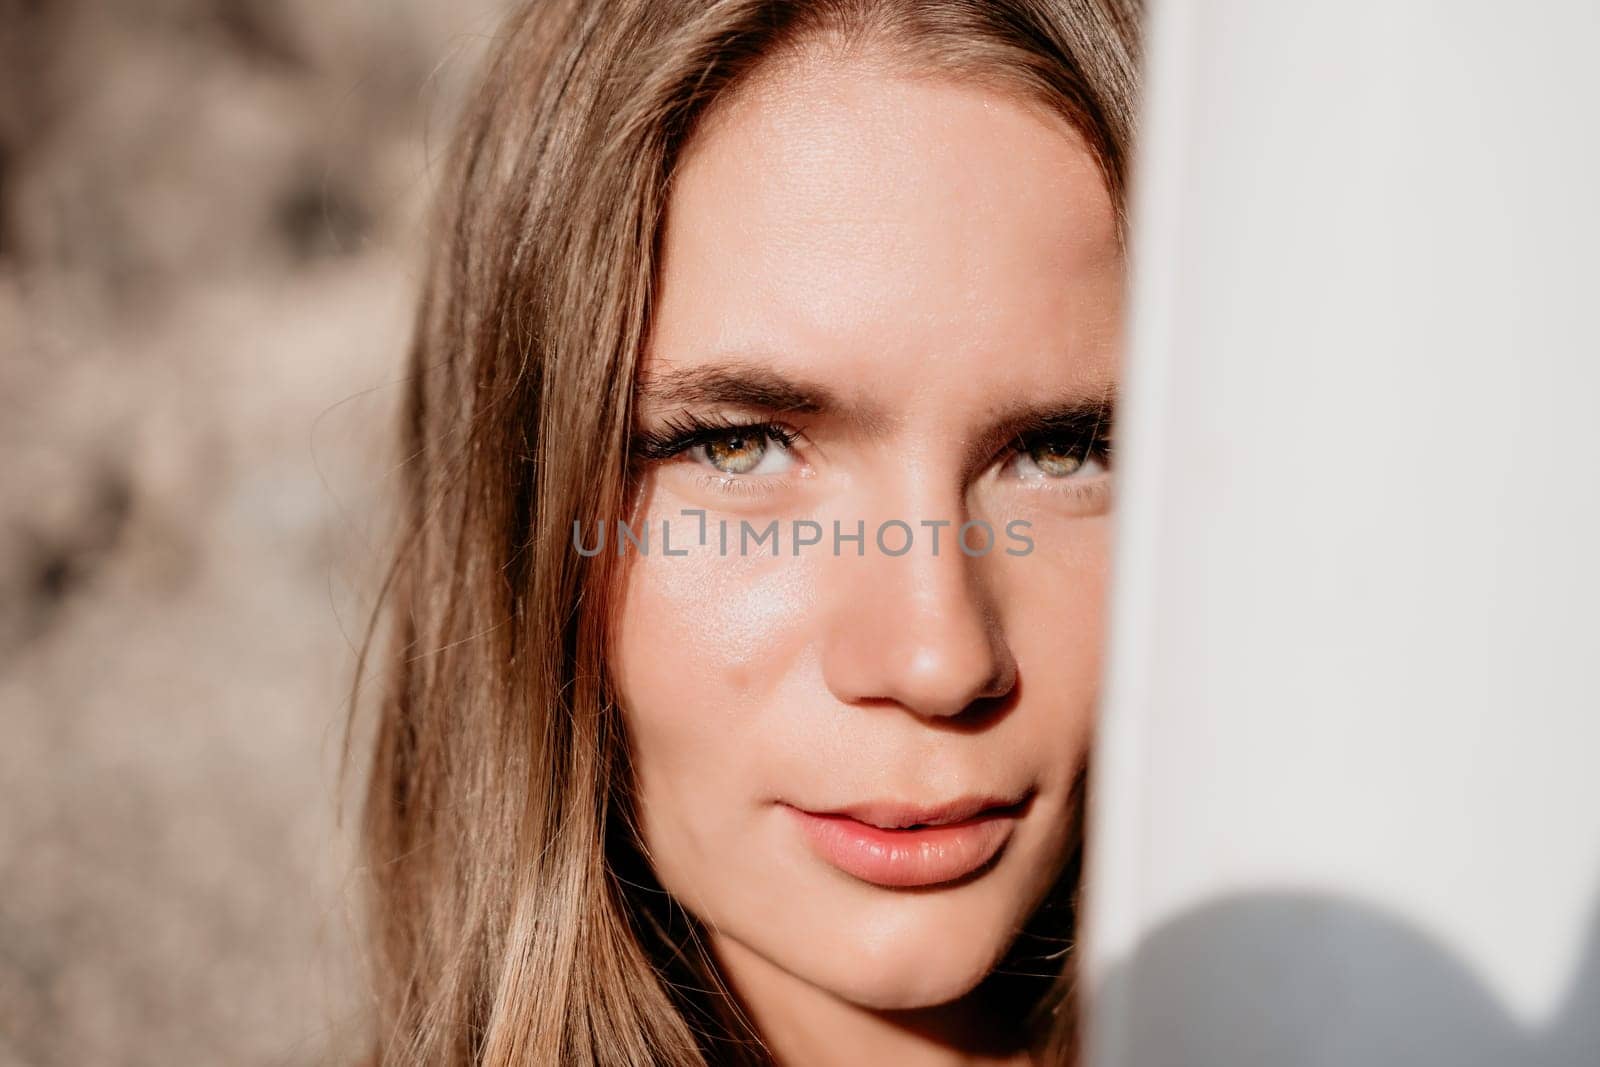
[[899, 815]]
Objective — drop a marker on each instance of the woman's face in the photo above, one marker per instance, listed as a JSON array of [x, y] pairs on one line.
[[908, 294]]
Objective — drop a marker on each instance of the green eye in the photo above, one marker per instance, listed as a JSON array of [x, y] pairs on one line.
[[1057, 458], [1055, 461], [737, 451]]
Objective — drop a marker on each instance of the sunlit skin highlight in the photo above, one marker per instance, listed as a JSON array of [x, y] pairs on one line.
[[919, 283]]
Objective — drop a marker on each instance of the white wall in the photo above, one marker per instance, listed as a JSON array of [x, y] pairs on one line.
[[1347, 804]]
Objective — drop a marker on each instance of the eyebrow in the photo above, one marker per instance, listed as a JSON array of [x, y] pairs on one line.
[[748, 385], [742, 384]]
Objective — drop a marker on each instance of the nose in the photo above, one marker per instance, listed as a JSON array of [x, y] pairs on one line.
[[917, 630]]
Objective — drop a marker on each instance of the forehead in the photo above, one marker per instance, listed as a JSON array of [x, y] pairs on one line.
[[850, 217]]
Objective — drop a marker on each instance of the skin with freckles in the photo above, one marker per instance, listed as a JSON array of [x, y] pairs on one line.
[[917, 282]]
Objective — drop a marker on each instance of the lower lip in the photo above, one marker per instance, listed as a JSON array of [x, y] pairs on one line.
[[901, 859]]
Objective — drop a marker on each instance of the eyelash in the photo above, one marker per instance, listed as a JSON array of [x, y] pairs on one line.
[[681, 433], [1091, 444], [678, 435]]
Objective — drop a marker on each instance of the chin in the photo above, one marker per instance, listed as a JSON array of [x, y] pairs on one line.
[[930, 953], [908, 992]]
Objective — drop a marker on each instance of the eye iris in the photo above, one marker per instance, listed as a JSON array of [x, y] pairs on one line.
[[1055, 461], [737, 452]]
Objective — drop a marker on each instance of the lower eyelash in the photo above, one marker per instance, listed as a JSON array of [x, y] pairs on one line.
[[739, 485], [1095, 491], [1087, 492]]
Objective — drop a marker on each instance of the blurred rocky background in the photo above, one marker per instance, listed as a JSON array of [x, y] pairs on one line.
[[210, 231]]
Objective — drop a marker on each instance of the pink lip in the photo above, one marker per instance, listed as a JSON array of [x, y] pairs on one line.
[[901, 846]]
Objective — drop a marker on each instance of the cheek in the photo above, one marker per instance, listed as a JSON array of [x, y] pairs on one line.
[[700, 652], [1052, 606], [697, 627]]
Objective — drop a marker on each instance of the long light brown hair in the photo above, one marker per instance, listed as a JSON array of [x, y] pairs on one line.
[[512, 919]]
